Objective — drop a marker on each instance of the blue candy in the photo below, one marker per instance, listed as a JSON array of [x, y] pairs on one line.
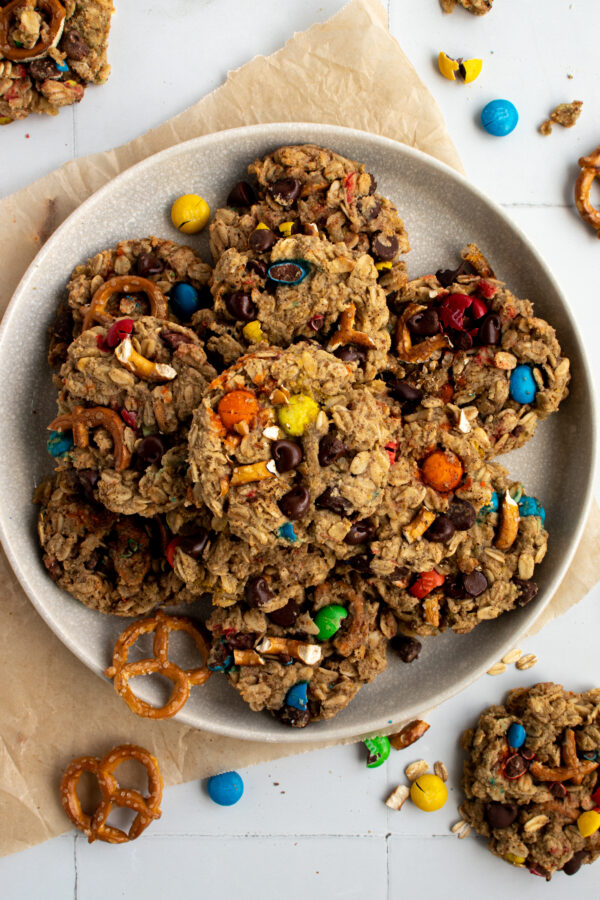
[[516, 735], [522, 385], [59, 443], [226, 665], [531, 506], [591, 755], [286, 268], [287, 532], [184, 300], [225, 789], [297, 696], [499, 117], [61, 66], [492, 506]]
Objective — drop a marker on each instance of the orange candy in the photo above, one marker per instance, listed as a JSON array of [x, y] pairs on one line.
[[442, 470], [237, 406]]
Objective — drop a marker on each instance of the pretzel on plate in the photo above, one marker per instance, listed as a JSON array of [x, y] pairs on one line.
[[129, 284]]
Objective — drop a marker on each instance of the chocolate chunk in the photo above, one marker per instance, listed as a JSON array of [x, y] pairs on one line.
[[257, 592], [402, 391], [351, 354], [258, 266], [285, 191], [454, 588], [327, 500], [384, 246], [446, 277], [43, 69], [331, 449], [558, 790], [74, 45], [460, 340], [462, 514], [475, 583], [286, 273], [242, 640], [175, 338], [150, 450], [261, 240], [297, 718], [360, 532], [194, 544], [407, 648], [88, 479], [286, 616], [490, 330], [372, 183], [370, 207], [500, 815], [148, 264], [528, 590], [515, 766], [572, 866], [425, 323], [240, 306], [441, 530], [287, 455], [241, 194], [295, 503]]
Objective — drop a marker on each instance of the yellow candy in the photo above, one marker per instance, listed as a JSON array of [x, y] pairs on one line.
[[383, 265], [5, 120], [297, 414], [472, 69], [286, 228], [467, 69], [261, 225], [253, 332], [588, 823], [190, 213], [429, 793], [514, 860], [448, 66]]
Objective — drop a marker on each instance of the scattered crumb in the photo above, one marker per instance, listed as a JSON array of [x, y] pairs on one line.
[[569, 76], [565, 114], [477, 7]]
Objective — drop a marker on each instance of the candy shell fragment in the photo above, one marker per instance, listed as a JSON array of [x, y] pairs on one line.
[[379, 750], [329, 620], [297, 696]]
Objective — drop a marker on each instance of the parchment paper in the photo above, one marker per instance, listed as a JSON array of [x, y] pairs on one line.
[[51, 707]]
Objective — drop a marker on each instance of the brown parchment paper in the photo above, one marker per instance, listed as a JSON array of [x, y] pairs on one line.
[[51, 707]]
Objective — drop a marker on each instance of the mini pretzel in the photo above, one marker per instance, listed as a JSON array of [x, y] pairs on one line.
[[140, 366], [473, 255], [121, 670], [419, 525], [51, 39], [128, 284], [80, 420], [409, 734], [404, 347], [306, 653], [574, 769], [146, 808], [569, 752], [254, 472], [590, 169], [509, 523], [247, 658], [346, 334]]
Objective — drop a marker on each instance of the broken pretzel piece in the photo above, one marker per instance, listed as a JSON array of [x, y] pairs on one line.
[[404, 346], [253, 472], [346, 334], [409, 734], [247, 658], [473, 255], [590, 169], [509, 523], [276, 646], [419, 525], [142, 367], [81, 420]]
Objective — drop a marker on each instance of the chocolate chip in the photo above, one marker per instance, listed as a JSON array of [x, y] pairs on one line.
[[558, 790], [287, 455], [441, 530], [515, 766], [175, 338], [148, 264], [331, 449], [460, 340], [425, 323], [74, 45], [150, 450], [500, 815], [286, 616], [407, 648], [528, 590], [361, 564], [194, 544], [490, 330], [285, 191], [295, 503], [241, 194], [384, 246], [360, 532], [402, 391], [475, 583], [327, 500], [43, 69], [399, 574], [242, 640], [257, 592], [287, 273], [462, 514], [446, 277], [271, 287], [261, 240], [88, 479], [258, 266], [240, 306], [351, 354], [454, 588], [297, 718], [370, 207], [574, 864]]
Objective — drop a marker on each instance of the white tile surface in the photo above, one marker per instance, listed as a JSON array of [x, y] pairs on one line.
[[324, 812]]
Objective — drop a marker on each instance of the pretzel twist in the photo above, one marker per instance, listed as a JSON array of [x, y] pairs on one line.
[[81, 420], [129, 284], [146, 808], [121, 670], [53, 34], [574, 769], [404, 346], [590, 169]]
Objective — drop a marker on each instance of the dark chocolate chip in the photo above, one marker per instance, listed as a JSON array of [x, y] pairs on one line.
[[243, 640], [286, 616], [361, 564], [399, 574], [271, 286], [454, 588], [88, 479], [327, 500], [441, 530], [528, 590], [74, 45], [261, 240], [43, 69], [425, 323], [295, 503], [462, 514], [285, 191], [500, 815], [370, 207], [150, 450], [574, 864], [175, 338], [558, 790], [490, 330], [297, 718], [287, 455], [331, 449], [384, 246], [240, 306], [148, 264], [257, 592], [446, 277], [258, 266], [475, 583], [402, 391], [241, 194], [360, 532], [372, 183], [286, 272], [351, 354], [407, 648], [515, 766], [461, 340], [194, 544]]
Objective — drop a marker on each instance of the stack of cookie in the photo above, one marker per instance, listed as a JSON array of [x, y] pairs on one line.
[[299, 432]]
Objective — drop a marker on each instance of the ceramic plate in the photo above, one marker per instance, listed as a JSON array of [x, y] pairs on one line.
[[442, 213]]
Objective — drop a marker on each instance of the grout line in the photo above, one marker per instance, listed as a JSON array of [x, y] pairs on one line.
[[387, 864], [76, 882], [537, 205]]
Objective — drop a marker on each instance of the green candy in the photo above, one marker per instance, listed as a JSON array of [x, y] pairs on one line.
[[379, 750], [328, 620]]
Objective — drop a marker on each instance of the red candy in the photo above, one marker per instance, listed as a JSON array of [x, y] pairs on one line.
[[596, 796], [101, 344], [425, 584], [486, 289], [118, 331], [350, 185], [390, 449], [170, 551], [130, 418], [478, 308], [452, 311]]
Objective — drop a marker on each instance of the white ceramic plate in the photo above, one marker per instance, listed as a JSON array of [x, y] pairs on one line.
[[442, 213]]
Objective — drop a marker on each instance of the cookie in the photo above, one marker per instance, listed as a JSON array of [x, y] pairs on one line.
[[531, 778], [49, 53], [113, 564], [477, 7]]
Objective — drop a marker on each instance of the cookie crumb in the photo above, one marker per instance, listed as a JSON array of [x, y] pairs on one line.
[[565, 114]]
